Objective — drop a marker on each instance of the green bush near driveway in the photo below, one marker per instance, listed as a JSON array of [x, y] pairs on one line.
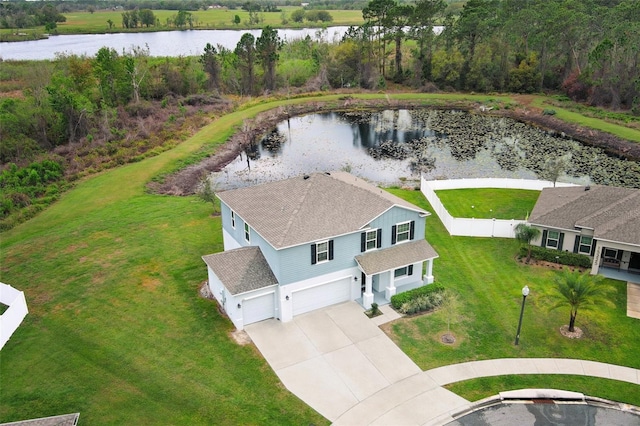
[[407, 297]]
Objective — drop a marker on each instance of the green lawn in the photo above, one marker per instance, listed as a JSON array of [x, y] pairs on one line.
[[614, 390], [489, 281], [116, 329], [489, 203], [86, 23], [624, 132]]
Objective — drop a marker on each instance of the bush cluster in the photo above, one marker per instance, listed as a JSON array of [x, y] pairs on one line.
[[422, 303], [563, 257], [398, 300]]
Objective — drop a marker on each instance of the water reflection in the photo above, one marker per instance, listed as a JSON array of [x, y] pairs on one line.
[[395, 145]]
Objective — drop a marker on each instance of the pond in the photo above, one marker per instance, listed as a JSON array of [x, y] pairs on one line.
[[394, 146]]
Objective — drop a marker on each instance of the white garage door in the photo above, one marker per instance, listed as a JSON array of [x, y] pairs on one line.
[[258, 308], [320, 296]]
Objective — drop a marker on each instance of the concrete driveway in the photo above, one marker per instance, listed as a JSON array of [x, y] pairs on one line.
[[335, 358]]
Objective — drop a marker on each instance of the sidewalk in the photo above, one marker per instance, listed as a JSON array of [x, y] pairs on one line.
[[421, 399], [341, 363]]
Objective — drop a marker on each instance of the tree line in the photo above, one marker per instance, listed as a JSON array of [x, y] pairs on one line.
[[585, 49]]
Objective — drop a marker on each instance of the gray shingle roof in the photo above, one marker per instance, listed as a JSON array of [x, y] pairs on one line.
[[242, 269], [613, 213], [301, 210], [62, 420], [394, 257]]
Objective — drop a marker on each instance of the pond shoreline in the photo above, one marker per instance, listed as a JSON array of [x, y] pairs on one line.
[[184, 182]]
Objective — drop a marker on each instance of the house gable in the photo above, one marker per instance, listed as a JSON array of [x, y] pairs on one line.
[[241, 270]]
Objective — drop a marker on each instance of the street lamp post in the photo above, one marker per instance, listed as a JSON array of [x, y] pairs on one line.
[[525, 293]]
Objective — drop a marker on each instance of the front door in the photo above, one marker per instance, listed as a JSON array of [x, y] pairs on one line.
[[634, 262], [363, 283]]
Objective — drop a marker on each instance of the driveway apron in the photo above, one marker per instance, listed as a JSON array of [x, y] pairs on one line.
[[332, 358]]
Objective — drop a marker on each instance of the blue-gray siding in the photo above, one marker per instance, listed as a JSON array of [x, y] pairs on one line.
[[294, 264]]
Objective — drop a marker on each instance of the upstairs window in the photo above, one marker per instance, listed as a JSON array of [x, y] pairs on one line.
[[247, 235], [321, 252], [233, 219], [402, 232], [370, 240]]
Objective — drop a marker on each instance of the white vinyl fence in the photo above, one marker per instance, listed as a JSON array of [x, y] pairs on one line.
[[479, 227], [15, 313]]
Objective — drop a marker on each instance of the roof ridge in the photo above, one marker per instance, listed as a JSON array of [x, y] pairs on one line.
[[611, 206], [296, 209]]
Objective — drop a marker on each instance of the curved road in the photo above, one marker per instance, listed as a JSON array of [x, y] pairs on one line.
[[341, 363]]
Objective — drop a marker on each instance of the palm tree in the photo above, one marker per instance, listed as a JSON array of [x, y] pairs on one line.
[[525, 234], [579, 290]]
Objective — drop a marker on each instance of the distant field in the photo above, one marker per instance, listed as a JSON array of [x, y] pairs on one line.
[[489, 203], [85, 22]]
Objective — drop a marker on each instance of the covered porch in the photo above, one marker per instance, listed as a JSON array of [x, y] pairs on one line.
[[393, 270], [621, 275], [617, 261]]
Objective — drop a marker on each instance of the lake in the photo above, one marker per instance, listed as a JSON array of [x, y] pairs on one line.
[[162, 43], [395, 146]]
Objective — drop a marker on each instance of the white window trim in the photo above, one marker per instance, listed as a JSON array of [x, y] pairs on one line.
[[587, 246], [408, 232], [324, 251], [615, 255], [375, 240], [557, 240], [405, 274], [233, 219], [247, 232]]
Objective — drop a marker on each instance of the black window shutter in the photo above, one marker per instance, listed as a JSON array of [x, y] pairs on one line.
[[544, 238], [410, 272], [412, 229], [330, 249], [313, 254], [576, 244], [363, 242], [393, 234], [593, 247], [560, 241], [379, 239]]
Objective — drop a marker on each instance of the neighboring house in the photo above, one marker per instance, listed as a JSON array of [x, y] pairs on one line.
[[300, 244], [599, 221]]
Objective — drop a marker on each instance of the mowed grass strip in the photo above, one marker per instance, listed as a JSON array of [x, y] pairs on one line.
[[488, 280], [488, 203], [116, 329], [614, 390], [624, 132]]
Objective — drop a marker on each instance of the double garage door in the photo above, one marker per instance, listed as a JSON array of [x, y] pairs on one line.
[[320, 296]]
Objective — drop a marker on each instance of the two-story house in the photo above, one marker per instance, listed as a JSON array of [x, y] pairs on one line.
[[304, 243]]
